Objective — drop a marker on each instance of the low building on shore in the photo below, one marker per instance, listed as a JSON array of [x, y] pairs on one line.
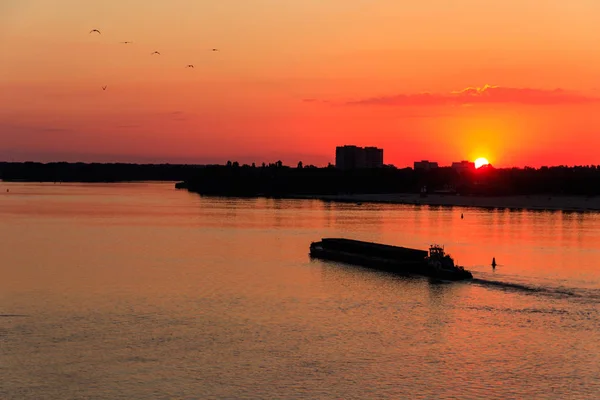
[[425, 165], [463, 166]]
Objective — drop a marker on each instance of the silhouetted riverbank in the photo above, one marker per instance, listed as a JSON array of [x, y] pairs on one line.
[[555, 188], [535, 202], [95, 172]]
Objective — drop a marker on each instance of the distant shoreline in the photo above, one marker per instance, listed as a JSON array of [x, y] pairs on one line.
[[549, 188], [95, 172], [87, 182], [510, 202], [519, 202]]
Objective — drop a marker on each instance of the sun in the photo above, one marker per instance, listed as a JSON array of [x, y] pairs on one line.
[[481, 162]]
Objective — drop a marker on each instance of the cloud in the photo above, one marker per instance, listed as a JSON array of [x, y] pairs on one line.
[[56, 130], [176, 115], [128, 126], [483, 95], [311, 100], [14, 127]]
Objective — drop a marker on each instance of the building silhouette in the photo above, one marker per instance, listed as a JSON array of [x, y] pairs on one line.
[[425, 165], [354, 157], [463, 166], [373, 157]]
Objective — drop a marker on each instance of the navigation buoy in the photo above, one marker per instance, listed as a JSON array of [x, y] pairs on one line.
[[494, 262], [461, 216]]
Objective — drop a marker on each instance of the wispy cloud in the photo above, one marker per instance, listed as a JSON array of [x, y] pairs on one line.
[[311, 100], [50, 129], [175, 115], [129, 126], [481, 95], [13, 127]]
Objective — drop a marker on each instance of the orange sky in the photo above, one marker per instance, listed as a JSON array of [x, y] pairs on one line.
[[294, 79]]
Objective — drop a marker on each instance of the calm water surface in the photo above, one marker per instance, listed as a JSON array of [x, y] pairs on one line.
[[140, 291]]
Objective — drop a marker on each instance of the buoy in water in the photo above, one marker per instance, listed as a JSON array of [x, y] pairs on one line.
[[461, 216], [494, 262]]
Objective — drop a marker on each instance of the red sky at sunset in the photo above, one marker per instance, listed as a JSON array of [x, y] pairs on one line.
[[515, 81]]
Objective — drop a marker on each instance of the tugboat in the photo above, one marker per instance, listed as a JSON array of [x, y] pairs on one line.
[[442, 265], [402, 260]]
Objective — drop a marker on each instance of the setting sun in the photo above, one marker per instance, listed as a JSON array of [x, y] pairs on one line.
[[481, 162]]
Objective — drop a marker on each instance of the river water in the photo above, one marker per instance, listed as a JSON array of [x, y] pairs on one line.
[[140, 291]]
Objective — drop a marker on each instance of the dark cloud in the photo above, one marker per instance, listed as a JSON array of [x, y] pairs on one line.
[[484, 95], [55, 130], [127, 126], [176, 115], [314, 101]]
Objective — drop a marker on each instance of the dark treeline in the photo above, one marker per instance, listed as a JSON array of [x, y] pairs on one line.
[[95, 172], [560, 180], [278, 180]]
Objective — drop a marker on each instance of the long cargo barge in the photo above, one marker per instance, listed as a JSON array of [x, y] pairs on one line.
[[402, 260]]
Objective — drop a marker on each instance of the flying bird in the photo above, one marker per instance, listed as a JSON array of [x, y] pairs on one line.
[[214, 49], [104, 87], [126, 42], [155, 52], [95, 30], [189, 66]]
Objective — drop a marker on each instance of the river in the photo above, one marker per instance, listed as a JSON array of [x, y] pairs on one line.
[[141, 291]]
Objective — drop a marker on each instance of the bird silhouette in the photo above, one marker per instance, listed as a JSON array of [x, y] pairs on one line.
[[126, 42], [189, 66], [155, 52], [95, 30], [104, 87], [214, 49]]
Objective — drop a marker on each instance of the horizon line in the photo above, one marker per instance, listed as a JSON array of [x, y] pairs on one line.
[[259, 165]]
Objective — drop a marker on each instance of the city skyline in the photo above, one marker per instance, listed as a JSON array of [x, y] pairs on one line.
[[517, 87]]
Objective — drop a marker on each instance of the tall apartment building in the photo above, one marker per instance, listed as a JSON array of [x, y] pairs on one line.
[[373, 157], [354, 157]]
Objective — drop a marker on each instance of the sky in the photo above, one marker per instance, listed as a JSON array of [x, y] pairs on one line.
[[515, 81]]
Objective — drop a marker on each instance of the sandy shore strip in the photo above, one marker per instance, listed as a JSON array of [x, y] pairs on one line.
[[534, 202]]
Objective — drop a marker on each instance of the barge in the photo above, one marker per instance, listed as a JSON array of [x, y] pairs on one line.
[[434, 263]]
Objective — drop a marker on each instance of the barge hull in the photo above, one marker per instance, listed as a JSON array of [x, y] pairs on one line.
[[395, 259], [373, 249], [382, 264]]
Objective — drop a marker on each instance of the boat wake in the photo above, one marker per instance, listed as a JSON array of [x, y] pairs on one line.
[[522, 287], [592, 295]]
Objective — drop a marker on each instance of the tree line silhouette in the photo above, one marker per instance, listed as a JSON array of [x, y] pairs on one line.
[[94, 172], [276, 179]]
